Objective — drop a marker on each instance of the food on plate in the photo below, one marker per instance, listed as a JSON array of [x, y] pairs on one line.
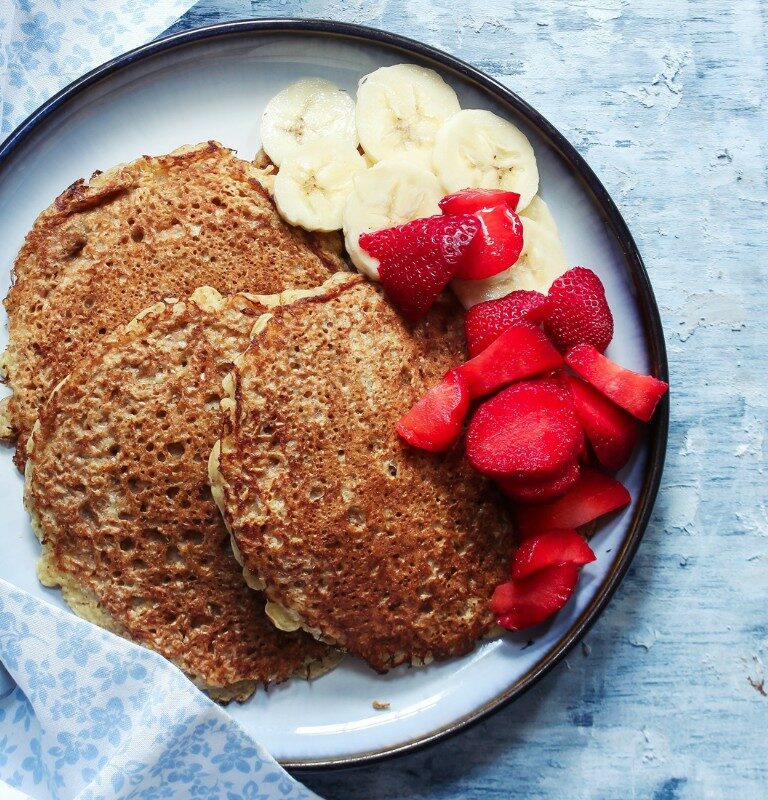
[[309, 110], [550, 548], [538, 489], [158, 227], [400, 109], [314, 182], [468, 201], [498, 245], [486, 321], [387, 551], [117, 488]]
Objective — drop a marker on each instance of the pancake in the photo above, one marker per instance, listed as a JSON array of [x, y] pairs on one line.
[[158, 227], [117, 488], [389, 552]]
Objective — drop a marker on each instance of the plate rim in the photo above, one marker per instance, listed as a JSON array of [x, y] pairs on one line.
[[657, 431]]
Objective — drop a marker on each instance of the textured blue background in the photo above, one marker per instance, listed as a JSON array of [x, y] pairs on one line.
[[666, 697]]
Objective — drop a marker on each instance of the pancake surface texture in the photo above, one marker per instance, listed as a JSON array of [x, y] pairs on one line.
[[117, 488], [157, 227], [390, 552]]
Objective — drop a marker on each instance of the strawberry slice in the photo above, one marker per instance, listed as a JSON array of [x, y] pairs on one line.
[[416, 260], [638, 394], [611, 431], [521, 351], [593, 495], [523, 603], [539, 490], [486, 321], [496, 248], [550, 548], [468, 201], [528, 430], [579, 311], [435, 422]]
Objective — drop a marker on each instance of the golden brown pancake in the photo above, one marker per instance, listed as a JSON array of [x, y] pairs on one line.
[[387, 551]]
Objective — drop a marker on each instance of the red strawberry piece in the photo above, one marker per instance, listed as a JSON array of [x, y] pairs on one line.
[[580, 312], [520, 352], [435, 422], [486, 321], [528, 430], [523, 603], [416, 260], [636, 393], [593, 495], [539, 490], [550, 548], [496, 248], [468, 201], [611, 431]]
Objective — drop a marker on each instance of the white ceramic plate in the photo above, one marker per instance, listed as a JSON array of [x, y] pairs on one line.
[[214, 84]]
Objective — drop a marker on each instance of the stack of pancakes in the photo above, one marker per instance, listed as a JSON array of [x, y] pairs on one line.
[[163, 313]]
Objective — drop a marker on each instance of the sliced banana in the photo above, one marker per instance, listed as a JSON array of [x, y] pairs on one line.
[[541, 261], [392, 192], [400, 109], [314, 182], [480, 149], [305, 111]]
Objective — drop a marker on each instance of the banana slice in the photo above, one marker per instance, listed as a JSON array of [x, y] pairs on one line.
[[314, 181], [305, 111], [542, 260], [392, 192], [479, 149], [400, 109]]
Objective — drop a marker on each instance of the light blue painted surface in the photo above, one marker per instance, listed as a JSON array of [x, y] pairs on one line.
[[666, 698]]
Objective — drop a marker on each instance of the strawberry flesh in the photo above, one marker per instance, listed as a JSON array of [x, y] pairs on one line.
[[636, 393], [593, 495], [496, 248], [523, 603], [521, 351], [468, 201], [539, 490], [486, 321], [528, 430], [435, 421], [611, 431], [416, 260], [579, 311], [550, 548]]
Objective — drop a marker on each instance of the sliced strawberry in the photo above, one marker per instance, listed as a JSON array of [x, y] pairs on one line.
[[539, 490], [529, 601], [496, 248], [521, 351], [579, 311], [528, 430], [435, 422], [416, 260], [638, 394], [593, 495], [550, 548], [486, 321], [611, 431], [468, 201]]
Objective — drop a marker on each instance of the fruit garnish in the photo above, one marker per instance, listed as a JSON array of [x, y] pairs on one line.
[[550, 548], [496, 248], [636, 393], [592, 496], [528, 430], [523, 350], [416, 260], [579, 311], [468, 201], [523, 603], [486, 321], [435, 421], [611, 431], [539, 490]]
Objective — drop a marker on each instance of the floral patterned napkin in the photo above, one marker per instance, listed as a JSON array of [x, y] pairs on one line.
[[88, 715]]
